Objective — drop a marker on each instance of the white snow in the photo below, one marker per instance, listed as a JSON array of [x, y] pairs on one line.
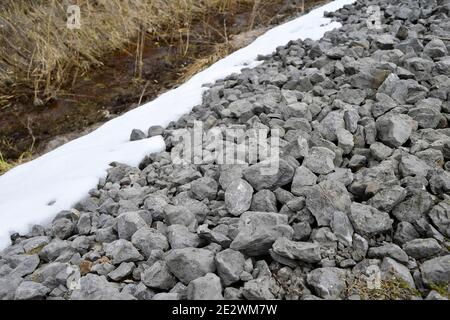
[[65, 175]]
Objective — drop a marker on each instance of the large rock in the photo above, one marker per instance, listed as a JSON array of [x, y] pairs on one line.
[[440, 215], [436, 271], [422, 248], [391, 269], [180, 237], [128, 223], [204, 188], [342, 227], [230, 265], [369, 221], [94, 287], [207, 287], [158, 276], [395, 129], [269, 174], [328, 283], [324, 199], [29, 290], [121, 251], [238, 197], [188, 264], [147, 239], [264, 201], [302, 251], [320, 160], [303, 178], [259, 230]]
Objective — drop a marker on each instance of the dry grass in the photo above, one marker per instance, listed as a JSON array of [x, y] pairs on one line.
[[390, 289], [39, 53]]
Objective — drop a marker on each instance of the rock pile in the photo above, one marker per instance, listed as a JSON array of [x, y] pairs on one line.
[[361, 191]]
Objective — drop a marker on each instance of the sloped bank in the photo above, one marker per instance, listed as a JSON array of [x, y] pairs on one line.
[[362, 186]]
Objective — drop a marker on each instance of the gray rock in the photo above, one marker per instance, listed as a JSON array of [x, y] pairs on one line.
[[25, 265], [302, 230], [405, 232], [204, 188], [414, 207], [29, 290], [320, 160], [128, 223], [147, 240], [264, 201], [54, 249], [391, 269], [35, 244], [388, 250], [238, 197], [435, 49], [303, 251], [380, 151], [188, 264], [63, 228], [230, 265], [180, 237], [154, 131], [214, 236], [360, 247], [123, 271], [325, 198], [137, 134], [8, 287], [94, 287], [328, 283], [395, 129], [369, 221], [269, 174], [342, 227], [258, 289], [121, 251], [84, 225], [258, 231], [180, 215], [422, 248], [412, 166], [386, 199], [159, 277], [303, 178], [207, 287], [440, 215], [167, 296], [436, 271]]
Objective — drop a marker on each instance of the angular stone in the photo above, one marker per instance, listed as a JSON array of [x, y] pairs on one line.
[[230, 265], [440, 215], [269, 174], [264, 201], [94, 287], [180, 237], [328, 283], [369, 221], [204, 188], [388, 250], [137, 134], [414, 207], [395, 129], [391, 269], [258, 231], [128, 223], [121, 251], [303, 178], [238, 197], [325, 198], [29, 290], [422, 248], [436, 271], [302, 251], [207, 287], [320, 160], [147, 239], [123, 271], [180, 215], [342, 227], [386, 199], [159, 277], [188, 264]]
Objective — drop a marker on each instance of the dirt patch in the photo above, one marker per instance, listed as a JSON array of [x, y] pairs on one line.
[[111, 90]]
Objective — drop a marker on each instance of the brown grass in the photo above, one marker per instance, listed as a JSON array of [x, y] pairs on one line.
[[39, 54]]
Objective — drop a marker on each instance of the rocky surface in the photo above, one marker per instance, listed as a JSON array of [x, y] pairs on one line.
[[362, 182]]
